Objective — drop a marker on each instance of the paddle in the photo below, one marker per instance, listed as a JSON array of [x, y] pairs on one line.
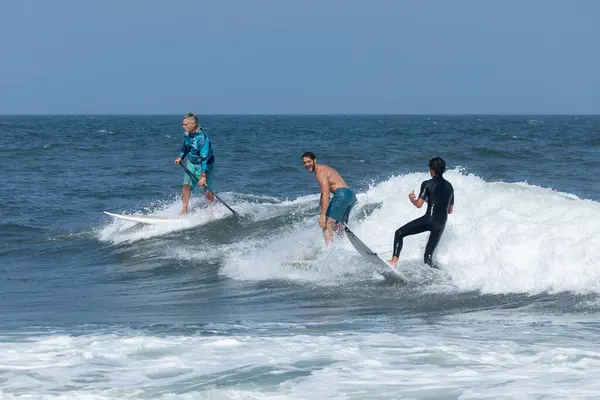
[[217, 197]]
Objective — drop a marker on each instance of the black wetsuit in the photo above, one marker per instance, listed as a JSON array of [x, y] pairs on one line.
[[439, 195]]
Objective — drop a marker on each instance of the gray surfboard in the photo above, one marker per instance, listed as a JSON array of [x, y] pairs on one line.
[[381, 266]]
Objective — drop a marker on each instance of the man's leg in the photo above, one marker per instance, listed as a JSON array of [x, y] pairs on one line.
[[209, 196], [185, 198], [338, 229], [188, 184], [434, 239], [328, 232], [339, 226], [414, 227], [210, 172]]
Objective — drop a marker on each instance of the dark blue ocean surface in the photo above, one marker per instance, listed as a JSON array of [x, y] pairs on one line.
[[94, 306]]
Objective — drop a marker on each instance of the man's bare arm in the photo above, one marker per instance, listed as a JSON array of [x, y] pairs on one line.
[[418, 202], [324, 183]]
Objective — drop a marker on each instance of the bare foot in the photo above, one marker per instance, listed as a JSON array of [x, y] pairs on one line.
[[393, 262]]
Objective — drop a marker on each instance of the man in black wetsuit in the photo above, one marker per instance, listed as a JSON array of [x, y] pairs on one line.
[[439, 195]]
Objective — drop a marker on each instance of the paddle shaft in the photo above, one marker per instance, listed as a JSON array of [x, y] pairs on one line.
[[192, 176]]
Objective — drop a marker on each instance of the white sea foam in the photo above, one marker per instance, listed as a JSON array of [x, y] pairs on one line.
[[449, 359]]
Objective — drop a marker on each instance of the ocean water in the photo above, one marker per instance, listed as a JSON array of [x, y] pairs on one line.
[[97, 308]]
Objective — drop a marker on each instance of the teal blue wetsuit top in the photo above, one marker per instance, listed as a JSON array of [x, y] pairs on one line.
[[198, 149]]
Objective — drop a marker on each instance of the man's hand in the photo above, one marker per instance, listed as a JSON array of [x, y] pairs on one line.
[[177, 160], [417, 202], [322, 221], [202, 181]]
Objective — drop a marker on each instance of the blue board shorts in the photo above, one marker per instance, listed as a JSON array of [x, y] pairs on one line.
[[341, 204], [196, 170]]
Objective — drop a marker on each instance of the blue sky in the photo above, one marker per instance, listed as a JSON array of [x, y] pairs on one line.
[[303, 56]]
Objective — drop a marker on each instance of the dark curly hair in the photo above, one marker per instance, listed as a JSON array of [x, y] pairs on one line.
[[438, 165]]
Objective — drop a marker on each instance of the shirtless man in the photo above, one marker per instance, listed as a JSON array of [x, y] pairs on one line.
[[338, 209]]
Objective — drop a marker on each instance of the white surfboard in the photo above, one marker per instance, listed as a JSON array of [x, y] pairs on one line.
[[144, 219], [381, 266]]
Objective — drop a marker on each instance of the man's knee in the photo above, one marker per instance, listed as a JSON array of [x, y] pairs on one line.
[[329, 223]]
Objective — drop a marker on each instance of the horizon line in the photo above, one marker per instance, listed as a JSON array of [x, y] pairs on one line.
[[292, 114]]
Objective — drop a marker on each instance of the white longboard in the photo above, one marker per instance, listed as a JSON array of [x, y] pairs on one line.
[[381, 266], [143, 219]]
